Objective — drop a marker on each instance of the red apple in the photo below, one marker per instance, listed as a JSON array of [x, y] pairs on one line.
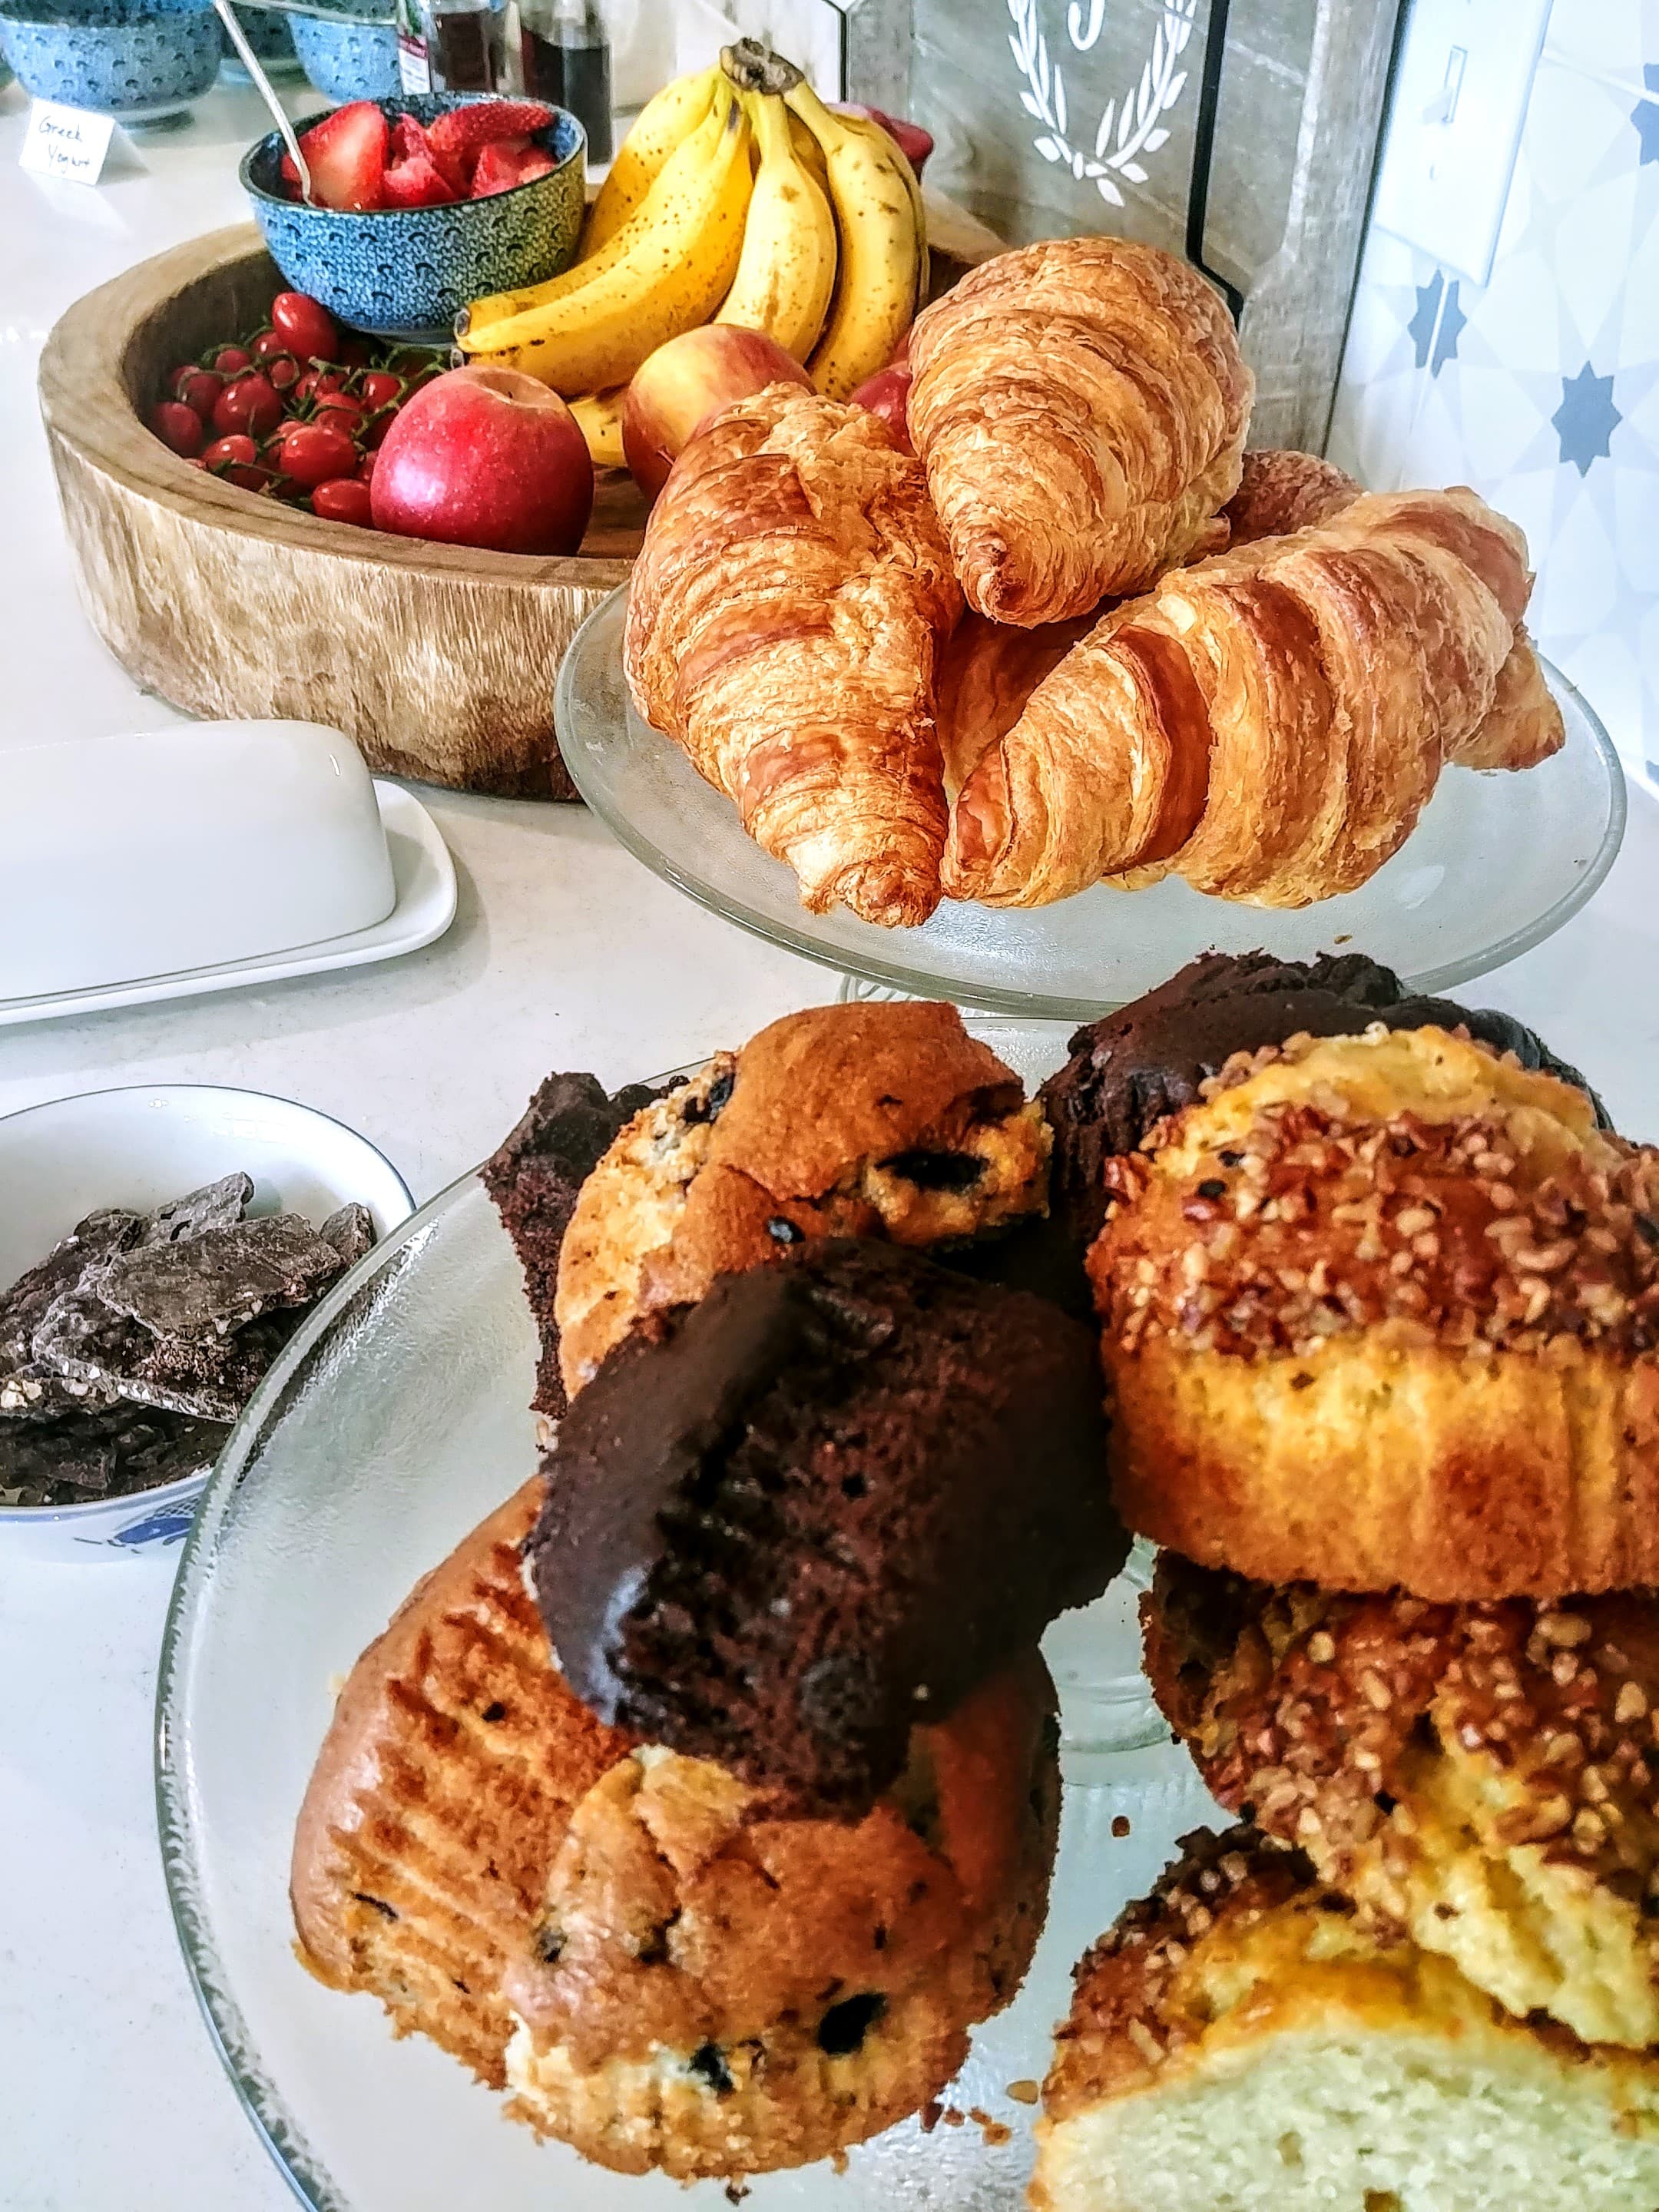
[[912, 141], [485, 457], [887, 393], [676, 390]]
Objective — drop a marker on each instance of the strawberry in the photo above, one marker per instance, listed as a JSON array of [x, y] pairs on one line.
[[459, 132], [416, 181], [346, 154], [507, 162]]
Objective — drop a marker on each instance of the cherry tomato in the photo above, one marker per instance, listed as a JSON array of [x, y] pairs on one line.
[[343, 412], [305, 325], [315, 453], [380, 388], [237, 447], [247, 477], [180, 427], [249, 403], [283, 374], [343, 498], [199, 391], [366, 468], [315, 383], [231, 360], [267, 345]]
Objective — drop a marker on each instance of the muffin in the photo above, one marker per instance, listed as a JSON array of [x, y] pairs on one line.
[[1152, 1057], [869, 1119], [716, 1991], [1240, 2038], [786, 1523], [1381, 1311], [1482, 1778]]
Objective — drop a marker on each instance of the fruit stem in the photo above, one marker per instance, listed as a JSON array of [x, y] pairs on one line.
[[753, 67]]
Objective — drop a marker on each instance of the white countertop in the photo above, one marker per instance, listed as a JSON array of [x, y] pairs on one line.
[[565, 953]]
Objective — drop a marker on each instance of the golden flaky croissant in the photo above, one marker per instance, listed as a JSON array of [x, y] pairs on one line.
[[1268, 724], [1080, 407], [1280, 491], [783, 622]]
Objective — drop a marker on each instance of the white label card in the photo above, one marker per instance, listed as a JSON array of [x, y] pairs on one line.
[[66, 141]]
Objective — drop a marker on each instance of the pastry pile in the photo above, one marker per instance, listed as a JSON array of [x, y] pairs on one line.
[[1079, 635], [1379, 1297], [706, 1796]]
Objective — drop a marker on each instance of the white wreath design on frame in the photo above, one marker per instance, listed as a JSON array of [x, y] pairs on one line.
[[1133, 124]]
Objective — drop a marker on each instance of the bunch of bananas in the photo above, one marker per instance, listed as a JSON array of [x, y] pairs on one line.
[[737, 198]]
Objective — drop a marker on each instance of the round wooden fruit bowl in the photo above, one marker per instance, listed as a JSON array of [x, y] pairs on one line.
[[439, 661]]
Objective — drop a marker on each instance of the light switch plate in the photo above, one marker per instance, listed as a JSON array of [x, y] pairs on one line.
[[1460, 102]]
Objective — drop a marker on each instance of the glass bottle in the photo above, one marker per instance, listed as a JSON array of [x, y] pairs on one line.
[[567, 60], [452, 45]]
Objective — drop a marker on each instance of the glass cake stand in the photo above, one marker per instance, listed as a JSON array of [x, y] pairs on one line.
[[1496, 863], [393, 1423]]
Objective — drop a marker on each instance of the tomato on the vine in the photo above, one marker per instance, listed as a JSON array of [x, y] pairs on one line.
[[236, 447], [180, 427], [249, 403], [339, 409], [199, 388], [380, 388], [283, 374], [231, 360], [315, 453], [305, 326], [343, 499]]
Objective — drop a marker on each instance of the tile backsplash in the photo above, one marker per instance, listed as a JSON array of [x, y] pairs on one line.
[[1540, 386]]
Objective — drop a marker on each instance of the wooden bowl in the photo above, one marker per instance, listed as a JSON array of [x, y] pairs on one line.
[[440, 660]]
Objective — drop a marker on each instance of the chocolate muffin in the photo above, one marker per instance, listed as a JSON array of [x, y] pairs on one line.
[[785, 1524], [1131, 1068], [533, 1178]]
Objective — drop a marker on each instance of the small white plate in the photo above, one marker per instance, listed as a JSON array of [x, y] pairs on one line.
[[139, 1147], [425, 878]]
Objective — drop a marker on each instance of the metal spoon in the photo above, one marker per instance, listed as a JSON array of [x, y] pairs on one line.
[[250, 62]]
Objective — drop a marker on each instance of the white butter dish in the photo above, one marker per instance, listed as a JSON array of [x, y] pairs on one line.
[[208, 843]]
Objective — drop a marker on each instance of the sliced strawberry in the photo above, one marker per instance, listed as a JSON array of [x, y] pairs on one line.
[[346, 154], [511, 161], [409, 137], [416, 182], [460, 131]]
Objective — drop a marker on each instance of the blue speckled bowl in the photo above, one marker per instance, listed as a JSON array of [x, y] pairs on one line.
[[407, 272], [136, 59], [266, 30], [348, 59]]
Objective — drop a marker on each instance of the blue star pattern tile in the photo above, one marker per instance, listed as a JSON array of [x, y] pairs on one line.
[[1645, 115], [1437, 323], [1586, 419]]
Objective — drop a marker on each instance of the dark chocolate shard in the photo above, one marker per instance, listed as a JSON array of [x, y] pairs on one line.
[[83, 1341], [223, 1279], [350, 1230], [216, 1206], [28, 1390], [106, 1453]]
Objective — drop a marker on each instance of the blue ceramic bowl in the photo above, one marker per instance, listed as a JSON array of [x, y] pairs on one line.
[[347, 58], [266, 30], [407, 272], [136, 59]]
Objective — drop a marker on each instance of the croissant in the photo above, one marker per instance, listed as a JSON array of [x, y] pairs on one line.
[[1080, 407], [1280, 491], [783, 623], [1269, 723]]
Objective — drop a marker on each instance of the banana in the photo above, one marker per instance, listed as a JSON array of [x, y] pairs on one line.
[[671, 282], [660, 126], [809, 154], [870, 128], [600, 415], [881, 275], [787, 271], [481, 328]]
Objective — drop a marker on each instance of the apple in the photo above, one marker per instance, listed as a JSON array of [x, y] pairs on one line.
[[887, 393], [912, 141], [485, 457], [676, 390]]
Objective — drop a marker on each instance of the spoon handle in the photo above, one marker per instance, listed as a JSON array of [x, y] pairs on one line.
[[250, 62]]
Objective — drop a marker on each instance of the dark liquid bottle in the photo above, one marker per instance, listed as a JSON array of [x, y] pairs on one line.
[[567, 60], [467, 46]]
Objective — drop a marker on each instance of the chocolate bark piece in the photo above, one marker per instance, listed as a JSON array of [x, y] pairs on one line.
[[211, 1377], [828, 1501], [110, 1453], [532, 1178], [220, 1279], [350, 1230], [214, 1206], [84, 1342], [30, 1389]]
